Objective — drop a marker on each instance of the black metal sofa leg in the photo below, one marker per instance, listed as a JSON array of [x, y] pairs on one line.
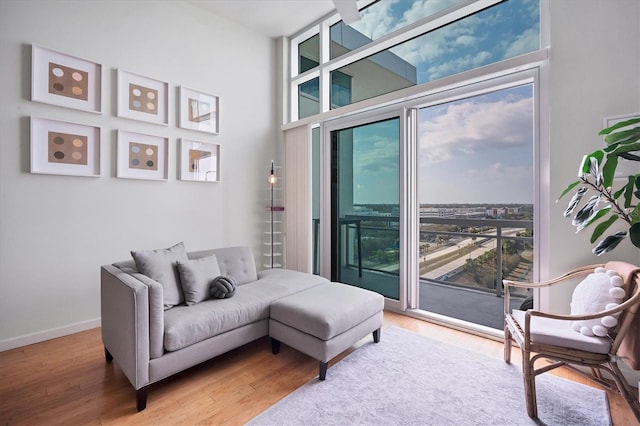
[[107, 355], [275, 346], [323, 370]]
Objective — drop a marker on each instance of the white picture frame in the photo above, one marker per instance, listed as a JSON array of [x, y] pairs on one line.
[[65, 80], [625, 167], [199, 161], [199, 111], [63, 148], [142, 98], [142, 156]]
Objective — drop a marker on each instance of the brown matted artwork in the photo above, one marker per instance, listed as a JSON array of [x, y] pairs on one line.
[[199, 161], [67, 148], [63, 148], [142, 156], [199, 111], [60, 79], [142, 98]]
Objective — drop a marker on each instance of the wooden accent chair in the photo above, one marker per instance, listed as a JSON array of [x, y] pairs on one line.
[[547, 336]]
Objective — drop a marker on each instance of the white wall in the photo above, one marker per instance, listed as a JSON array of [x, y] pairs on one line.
[[594, 73], [56, 231]]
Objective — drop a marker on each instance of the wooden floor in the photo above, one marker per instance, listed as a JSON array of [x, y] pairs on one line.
[[66, 381]]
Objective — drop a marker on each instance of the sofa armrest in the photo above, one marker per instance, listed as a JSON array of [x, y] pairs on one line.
[[125, 322], [156, 315]]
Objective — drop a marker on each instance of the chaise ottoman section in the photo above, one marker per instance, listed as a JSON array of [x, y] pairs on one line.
[[325, 320]]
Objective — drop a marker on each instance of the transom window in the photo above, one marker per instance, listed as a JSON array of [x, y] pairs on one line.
[[404, 43]]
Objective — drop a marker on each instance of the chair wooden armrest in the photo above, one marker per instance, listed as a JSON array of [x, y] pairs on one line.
[[576, 273], [619, 308]]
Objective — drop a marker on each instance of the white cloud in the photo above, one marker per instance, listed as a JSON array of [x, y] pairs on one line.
[[457, 65], [379, 155], [436, 46], [376, 21], [470, 127], [466, 40], [528, 41]]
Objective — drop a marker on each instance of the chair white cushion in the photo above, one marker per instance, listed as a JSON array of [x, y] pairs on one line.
[[550, 331], [599, 291]]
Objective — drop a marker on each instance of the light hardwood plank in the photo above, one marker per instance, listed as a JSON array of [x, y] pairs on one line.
[[67, 381]]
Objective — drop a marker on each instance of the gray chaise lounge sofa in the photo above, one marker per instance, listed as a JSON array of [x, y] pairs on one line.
[[152, 334], [150, 343]]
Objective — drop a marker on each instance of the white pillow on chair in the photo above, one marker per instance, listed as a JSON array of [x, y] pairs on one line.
[[599, 291]]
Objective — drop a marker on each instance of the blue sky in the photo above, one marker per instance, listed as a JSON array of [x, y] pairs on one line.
[[376, 154], [477, 150]]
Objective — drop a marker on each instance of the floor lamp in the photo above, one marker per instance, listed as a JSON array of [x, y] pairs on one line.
[[272, 181]]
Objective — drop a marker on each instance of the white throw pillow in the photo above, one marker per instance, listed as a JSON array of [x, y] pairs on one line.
[[599, 291]]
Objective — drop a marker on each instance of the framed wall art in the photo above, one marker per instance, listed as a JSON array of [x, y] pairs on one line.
[[199, 161], [62, 148], [199, 111], [64, 80], [142, 98], [141, 156]]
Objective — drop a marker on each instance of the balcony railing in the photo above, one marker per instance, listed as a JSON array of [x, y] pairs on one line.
[[453, 252]]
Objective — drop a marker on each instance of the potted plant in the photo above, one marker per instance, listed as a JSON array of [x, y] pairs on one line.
[[607, 205]]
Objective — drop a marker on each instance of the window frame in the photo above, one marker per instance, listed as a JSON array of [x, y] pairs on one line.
[[529, 67], [326, 65]]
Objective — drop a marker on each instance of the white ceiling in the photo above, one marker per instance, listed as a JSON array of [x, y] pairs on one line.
[[273, 18]]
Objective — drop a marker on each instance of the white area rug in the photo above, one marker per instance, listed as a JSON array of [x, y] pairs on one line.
[[409, 379]]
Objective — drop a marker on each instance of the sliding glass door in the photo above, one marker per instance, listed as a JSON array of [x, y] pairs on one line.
[[365, 206], [475, 197], [432, 204]]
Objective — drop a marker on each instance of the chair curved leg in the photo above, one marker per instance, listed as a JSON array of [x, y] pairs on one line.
[[528, 374]]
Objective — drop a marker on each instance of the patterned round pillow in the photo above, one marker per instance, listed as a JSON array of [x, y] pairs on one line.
[[222, 286]]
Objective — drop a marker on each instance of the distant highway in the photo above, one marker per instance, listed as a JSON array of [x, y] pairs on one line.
[[484, 245]]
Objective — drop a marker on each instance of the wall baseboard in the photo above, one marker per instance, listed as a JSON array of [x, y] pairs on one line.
[[53, 333]]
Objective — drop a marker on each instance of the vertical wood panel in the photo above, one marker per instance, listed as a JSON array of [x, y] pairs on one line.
[[297, 146]]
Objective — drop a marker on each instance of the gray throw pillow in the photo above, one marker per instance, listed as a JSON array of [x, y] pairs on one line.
[[161, 265], [223, 286], [195, 276]]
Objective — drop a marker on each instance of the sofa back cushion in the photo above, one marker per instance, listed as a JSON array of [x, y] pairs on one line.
[[237, 262]]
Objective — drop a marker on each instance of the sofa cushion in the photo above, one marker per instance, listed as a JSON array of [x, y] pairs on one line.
[[327, 310], [186, 325], [237, 262], [161, 265], [196, 276]]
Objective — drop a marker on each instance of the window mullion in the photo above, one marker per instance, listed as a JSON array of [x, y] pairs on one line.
[[325, 86]]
